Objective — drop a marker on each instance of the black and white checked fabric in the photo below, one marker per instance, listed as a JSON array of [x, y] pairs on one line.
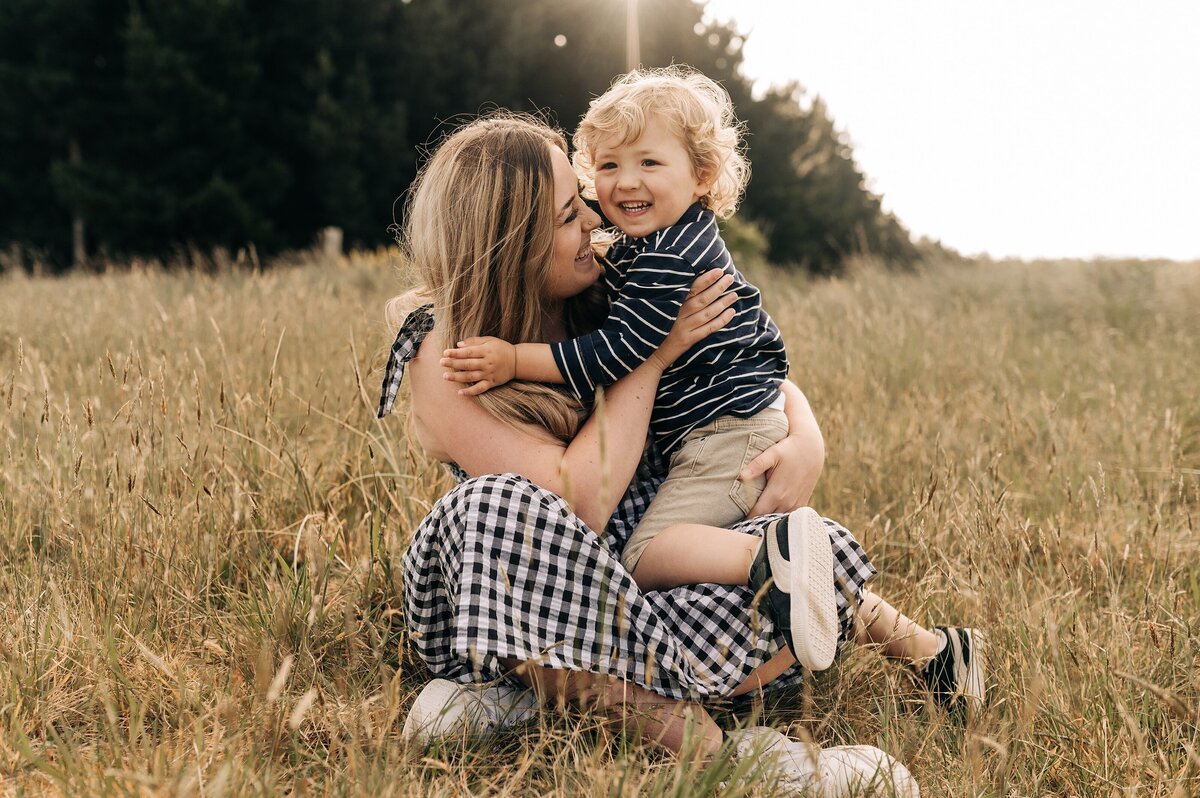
[[412, 332], [501, 568]]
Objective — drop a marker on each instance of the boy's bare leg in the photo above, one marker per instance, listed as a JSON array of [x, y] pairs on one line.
[[897, 635], [655, 719], [877, 622], [693, 554]]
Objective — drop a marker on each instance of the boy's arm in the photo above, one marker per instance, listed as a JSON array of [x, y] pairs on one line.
[[487, 362], [656, 285]]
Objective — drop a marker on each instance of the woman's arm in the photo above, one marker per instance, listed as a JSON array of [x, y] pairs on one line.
[[794, 464], [593, 470]]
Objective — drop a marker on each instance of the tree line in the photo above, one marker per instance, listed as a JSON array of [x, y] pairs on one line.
[[143, 126]]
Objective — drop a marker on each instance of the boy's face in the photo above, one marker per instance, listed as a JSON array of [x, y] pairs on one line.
[[646, 184]]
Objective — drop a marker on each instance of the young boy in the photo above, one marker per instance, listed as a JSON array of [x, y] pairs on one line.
[[661, 151]]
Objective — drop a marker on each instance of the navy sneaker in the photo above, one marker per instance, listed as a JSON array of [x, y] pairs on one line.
[[955, 674], [793, 573]]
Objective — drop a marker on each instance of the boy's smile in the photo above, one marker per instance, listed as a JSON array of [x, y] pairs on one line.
[[646, 184]]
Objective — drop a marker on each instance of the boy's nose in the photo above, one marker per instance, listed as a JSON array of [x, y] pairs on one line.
[[627, 180]]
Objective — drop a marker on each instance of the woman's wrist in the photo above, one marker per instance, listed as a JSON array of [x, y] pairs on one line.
[[656, 362]]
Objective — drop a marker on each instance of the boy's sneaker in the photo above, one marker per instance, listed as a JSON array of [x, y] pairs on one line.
[[806, 769], [444, 709], [955, 674], [795, 562]]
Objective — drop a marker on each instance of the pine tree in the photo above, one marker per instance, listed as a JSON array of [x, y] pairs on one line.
[[140, 126], [59, 72]]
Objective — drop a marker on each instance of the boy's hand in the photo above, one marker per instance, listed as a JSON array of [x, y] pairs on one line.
[[486, 362]]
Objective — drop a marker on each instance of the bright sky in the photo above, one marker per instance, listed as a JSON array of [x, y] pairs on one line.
[[1032, 128]]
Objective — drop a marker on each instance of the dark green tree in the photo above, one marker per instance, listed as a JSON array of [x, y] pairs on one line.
[[139, 126], [60, 66], [807, 193]]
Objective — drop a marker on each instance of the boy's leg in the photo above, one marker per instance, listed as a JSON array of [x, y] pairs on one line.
[[898, 636], [702, 490], [949, 659], [690, 554]]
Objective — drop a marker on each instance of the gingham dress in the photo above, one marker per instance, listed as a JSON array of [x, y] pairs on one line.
[[501, 568]]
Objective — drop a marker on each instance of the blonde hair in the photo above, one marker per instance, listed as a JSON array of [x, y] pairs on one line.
[[479, 230], [696, 107]]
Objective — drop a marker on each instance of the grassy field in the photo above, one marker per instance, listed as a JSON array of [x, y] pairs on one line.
[[201, 521]]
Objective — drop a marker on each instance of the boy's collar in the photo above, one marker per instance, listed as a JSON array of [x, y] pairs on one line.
[[693, 213]]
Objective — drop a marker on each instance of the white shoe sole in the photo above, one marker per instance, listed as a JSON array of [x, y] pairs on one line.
[[813, 605]]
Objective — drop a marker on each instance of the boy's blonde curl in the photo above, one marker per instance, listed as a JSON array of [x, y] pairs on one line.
[[696, 108]]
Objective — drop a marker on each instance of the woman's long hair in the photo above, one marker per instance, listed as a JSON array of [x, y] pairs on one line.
[[479, 230]]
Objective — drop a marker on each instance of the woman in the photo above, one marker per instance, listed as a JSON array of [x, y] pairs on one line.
[[506, 577]]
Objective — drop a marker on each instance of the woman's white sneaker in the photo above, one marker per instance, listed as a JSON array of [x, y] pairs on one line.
[[866, 771], [444, 709], [792, 762], [806, 769]]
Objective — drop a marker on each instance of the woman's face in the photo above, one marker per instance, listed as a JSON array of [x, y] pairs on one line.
[[573, 267]]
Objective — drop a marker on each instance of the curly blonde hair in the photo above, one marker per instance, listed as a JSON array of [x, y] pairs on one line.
[[696, 107]]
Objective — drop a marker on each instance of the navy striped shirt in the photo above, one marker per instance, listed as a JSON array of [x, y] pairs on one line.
[[735, 371]]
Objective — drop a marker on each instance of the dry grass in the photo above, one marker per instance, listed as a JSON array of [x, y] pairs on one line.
[[200, 522]]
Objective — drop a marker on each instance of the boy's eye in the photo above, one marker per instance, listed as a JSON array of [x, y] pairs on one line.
[[649, 162], [607, 165]]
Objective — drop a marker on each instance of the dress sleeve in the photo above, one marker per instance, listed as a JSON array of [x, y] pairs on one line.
[[412, 332], [656, 285]]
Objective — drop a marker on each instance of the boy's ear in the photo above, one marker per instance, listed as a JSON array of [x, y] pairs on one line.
[[704, 178]]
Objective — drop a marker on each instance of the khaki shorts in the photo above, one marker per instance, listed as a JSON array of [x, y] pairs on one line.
[[702, 486]]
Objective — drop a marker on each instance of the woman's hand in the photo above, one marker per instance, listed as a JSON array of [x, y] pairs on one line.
[[794, 464], [707, 309]]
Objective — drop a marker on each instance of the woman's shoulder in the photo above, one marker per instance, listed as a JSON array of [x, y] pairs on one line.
[[433, 399]]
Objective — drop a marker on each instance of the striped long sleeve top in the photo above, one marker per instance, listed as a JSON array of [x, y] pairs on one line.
[[735, 371]]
